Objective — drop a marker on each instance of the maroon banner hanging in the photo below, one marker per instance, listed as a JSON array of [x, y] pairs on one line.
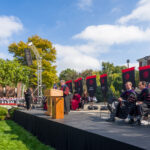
[[76, 85], [128, 75], [80, 86], [91, 85], [69, 84], [103, 81], [144, 73]]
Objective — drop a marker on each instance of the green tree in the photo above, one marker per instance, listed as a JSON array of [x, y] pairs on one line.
[[137, 77], [48, 53], [114, 77], [68, 74], [84, 74], [97, 73], [12, 72]]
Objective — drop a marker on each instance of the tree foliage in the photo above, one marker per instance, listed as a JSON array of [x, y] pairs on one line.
[[114, 73], [114, 77], [48, 53], [12, 72], [68, 74]]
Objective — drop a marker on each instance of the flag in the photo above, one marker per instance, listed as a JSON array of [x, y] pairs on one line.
[[91, 85], [144, 73], [80, 86], [103, 81], [128, 75], [76, 85]]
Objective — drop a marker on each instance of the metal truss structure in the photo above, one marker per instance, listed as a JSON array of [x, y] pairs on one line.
[[39, 70]]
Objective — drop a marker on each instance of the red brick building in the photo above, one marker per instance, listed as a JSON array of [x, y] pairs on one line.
[[11, 91], [144, 61]]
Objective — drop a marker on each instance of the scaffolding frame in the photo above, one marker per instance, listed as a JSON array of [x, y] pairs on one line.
[[39, 71]]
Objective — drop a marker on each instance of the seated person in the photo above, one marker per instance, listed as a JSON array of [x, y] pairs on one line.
[[144, 100], [75, 101], [148, 85], [44, 102], [127, 101], [85, 98]]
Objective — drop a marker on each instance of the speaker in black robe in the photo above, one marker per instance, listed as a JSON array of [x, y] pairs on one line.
[[103, 81], [91, 85], [128, 75], [144, 73], [69, 84]]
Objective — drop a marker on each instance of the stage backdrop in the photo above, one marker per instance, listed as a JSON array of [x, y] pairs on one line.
[[69, 84], [128, 75], [103, 81], [144, 73], [91, 85]]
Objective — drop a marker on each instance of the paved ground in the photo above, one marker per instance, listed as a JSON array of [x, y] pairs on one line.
[[91, 122]]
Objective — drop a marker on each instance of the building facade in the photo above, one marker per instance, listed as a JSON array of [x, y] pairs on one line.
[[144, 61]]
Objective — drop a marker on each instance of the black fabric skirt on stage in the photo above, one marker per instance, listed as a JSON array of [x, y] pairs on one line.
[[64, 137]]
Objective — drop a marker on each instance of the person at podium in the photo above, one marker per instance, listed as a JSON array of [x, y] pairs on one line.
[[65, 90]]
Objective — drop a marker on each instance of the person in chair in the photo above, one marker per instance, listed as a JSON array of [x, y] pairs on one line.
[[126, 105], [144, 100]]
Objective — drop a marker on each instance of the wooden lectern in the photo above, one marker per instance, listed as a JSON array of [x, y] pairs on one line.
[[55, 103]]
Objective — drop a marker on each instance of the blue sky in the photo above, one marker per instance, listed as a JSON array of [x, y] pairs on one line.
[[84, 32]]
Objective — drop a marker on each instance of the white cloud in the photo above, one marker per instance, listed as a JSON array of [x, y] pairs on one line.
[[114, 34], [84, 4], [73, 57], [116, 10], [5, 56], [140, 13], [136, 65], [99, 40], [9, 26]]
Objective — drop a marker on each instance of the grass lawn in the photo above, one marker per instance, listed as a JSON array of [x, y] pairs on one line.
[[14, 137]]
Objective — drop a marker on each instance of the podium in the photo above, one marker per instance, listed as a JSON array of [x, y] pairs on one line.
[[55, 103]]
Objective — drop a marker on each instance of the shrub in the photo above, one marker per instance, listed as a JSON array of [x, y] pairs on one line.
[[11, 111], [3, 113]]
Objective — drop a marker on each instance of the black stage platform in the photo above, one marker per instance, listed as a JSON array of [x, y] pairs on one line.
[[83, 131]]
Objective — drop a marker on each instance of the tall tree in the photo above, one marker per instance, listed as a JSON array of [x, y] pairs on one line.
[[114, 77], [84, 74], [12, 72], [48, 53], [68, 74]]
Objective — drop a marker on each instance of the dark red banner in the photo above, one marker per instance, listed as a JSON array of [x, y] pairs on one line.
[[91, 85], [79, 86], [76, 85], [128, 75], [69, 84], [144, 73], [103, 81]]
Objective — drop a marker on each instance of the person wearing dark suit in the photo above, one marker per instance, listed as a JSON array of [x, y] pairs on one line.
[[144, 100], [28, 99], [65, 90]]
